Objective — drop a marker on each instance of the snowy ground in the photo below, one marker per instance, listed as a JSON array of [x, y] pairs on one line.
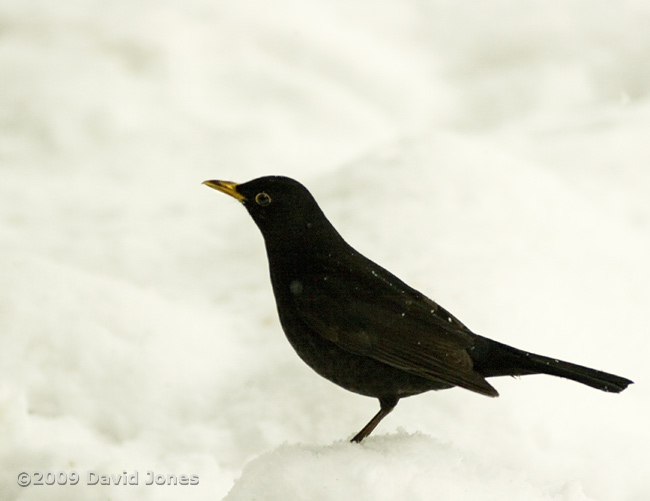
[[494, 155]]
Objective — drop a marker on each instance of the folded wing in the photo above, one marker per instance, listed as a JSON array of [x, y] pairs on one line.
[[370, 312]]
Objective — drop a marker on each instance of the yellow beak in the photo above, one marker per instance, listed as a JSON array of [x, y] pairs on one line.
[[227, 187]]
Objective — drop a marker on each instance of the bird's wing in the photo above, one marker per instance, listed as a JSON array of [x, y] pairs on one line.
[[368, 311]]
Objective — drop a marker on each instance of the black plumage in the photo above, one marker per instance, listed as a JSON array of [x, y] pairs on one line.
[[361, 327]]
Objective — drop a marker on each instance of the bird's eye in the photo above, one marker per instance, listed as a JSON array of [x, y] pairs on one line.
[[262, 199]]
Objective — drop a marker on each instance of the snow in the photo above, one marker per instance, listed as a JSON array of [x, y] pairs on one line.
[[494, 156]]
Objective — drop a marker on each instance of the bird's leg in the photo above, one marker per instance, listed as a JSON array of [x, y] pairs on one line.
[[386, 405]]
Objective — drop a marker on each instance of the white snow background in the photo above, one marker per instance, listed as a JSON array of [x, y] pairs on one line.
[[493, 155]]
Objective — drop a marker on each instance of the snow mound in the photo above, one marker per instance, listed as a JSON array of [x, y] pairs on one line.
[[398, 466]]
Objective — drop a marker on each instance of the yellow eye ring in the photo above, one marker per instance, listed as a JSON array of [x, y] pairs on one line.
[[262, 199]]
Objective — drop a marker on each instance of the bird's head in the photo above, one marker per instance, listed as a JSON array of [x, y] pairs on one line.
[[282, 208]]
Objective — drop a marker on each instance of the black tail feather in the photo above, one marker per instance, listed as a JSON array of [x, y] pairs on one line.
[[495, 359], [591, 377]]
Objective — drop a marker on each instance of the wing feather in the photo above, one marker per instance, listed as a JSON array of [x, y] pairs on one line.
[[372, 313]]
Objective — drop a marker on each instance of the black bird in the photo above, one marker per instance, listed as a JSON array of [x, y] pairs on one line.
[[360, 326]]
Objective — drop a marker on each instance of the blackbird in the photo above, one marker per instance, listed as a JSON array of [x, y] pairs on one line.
[[360, 326]]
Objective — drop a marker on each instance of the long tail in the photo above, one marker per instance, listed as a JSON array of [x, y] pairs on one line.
[[495, 359]]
